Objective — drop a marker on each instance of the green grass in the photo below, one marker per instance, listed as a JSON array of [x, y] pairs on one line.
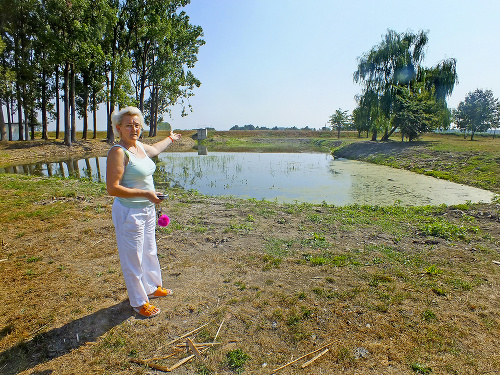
[[236, 360], [33, 197], [420, 369]]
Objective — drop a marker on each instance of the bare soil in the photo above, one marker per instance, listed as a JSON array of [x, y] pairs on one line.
[[245, 267]]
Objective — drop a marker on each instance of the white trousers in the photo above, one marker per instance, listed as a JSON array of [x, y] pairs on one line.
[[135, 237]]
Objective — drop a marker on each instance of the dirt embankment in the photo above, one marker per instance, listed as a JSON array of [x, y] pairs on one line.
[[367, 149]]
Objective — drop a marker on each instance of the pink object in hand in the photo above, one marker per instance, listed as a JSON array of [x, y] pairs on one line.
[[163, 220]]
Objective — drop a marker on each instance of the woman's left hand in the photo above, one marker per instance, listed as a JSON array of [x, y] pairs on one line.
[[174, 136], [158, 147]]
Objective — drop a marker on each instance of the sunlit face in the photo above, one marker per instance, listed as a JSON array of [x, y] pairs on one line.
[[130, 126]]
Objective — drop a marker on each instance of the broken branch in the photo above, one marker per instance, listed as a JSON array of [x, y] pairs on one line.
[[186, 335], [314, 358], [217, 334], [181, 362], [304, 356], [193, 348], [152, 365]]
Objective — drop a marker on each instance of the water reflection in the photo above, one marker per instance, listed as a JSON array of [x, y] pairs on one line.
[[313, 178], [89, 168]]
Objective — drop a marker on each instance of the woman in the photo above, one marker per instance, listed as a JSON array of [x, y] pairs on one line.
[[129, 177]]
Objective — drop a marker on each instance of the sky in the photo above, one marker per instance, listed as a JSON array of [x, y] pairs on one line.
[[291, 63]]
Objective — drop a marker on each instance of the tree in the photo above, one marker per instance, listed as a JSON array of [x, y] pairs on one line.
[[477, 113], [393, 70], [416, 112], [392, 63], [339, 120], [170, 80]]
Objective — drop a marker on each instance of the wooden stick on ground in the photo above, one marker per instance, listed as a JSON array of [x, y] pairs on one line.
[[186, 335], [304, 356], [314, 358], [217, 334], [181, 362], [161, 358], [198, 344], [194, 349], [152, 365]]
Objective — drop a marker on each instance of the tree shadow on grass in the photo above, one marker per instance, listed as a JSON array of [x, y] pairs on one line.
[[60, 341]]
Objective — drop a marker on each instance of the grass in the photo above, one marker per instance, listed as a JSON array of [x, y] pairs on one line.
[[236, 360]]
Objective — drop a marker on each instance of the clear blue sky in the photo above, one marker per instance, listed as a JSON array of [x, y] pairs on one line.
[[290, 62]]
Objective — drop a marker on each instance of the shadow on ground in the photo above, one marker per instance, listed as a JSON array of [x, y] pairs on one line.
[[60, 341]]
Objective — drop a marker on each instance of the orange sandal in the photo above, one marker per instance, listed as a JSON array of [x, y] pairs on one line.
[[147, 310], [160, 292]]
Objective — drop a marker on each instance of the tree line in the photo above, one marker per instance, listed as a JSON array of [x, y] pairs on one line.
[[89, 53], [276, 128]]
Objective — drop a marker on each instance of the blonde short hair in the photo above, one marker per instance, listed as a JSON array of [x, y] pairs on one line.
[[117, 117]]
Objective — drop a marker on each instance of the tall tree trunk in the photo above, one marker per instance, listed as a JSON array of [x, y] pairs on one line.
[[44, 105], [94, 114], [26, 119], [3, 131], [9, 119], [67, 127], [57, 103], [143, 87], [73, 104], [155, 123], [85, 106], [18, 91], [110, 135], [85, 116], [19, 113], [32, 123], [374, 135], [151, 110]]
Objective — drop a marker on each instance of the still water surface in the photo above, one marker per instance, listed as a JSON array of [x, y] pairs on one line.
[[286, 178]]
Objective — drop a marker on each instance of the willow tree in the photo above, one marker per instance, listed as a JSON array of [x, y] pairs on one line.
[[393, 72], [392, 63]]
